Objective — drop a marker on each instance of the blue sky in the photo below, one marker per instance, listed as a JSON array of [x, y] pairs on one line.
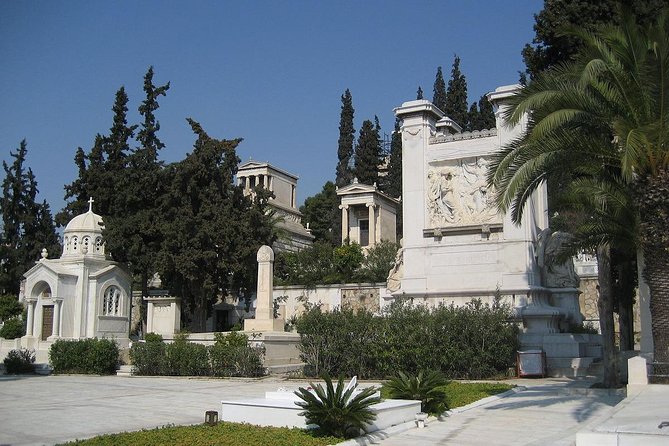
[[271, 72]]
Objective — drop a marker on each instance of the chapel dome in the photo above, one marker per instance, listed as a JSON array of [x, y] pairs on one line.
[[87, 222], [83, 235]]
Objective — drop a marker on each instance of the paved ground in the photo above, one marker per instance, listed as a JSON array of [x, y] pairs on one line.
[[37, 410], [47, 410], [548, 412]]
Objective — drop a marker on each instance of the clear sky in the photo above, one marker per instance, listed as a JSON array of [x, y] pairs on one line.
[[271, 72]]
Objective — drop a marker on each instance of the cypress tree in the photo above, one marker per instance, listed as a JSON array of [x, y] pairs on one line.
[[27, 227], [344, 172], [133, 237], [456, 96], [473, 118], [439, 91], [322, 214], [486, 115], [368, 153], [392, 183]]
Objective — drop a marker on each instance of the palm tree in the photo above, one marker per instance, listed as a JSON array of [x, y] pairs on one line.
[[604, 120]]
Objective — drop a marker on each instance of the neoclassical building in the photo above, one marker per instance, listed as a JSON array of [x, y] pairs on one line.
[[79, 295]]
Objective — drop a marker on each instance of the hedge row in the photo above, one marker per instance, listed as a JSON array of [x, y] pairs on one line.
[[88, 356], [474, 341], [229, 356]]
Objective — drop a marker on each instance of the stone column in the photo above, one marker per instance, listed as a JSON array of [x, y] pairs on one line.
[[57, 303], [372, 224], [344, 222], [31, 316], [264, 319]]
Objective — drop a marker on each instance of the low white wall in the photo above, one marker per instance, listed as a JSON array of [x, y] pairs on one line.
[[329, 296]]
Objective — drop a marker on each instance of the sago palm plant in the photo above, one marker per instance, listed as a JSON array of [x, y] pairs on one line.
[[425, 386], [336, 410]]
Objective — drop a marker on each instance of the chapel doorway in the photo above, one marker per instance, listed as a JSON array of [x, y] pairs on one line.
[[47, 321]]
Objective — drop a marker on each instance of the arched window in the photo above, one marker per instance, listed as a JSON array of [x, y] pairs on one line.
[[111, 303], [66, 242], [98, 244], [85, 242], [75, 243]]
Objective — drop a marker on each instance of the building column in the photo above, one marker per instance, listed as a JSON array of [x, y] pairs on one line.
[[344, 222], [57, 303], [31, 316], [372, 224]]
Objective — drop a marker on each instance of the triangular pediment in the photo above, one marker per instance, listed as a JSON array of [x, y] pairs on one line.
[[356, 188], [251, 164]]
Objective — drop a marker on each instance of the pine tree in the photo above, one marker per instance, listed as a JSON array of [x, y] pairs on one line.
[[392, 183], [486, 115], [322, 214], [133, 237], [473, 118], [419, 93], [211, 231], [27, 227], [456, 96], [344, 173], [368, 153], [439, 91]]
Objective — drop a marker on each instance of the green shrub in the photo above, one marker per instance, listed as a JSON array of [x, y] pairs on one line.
[[185, 358], [425, 386], [9, 307], [148, 357], [473, 341], [87, 356], [20, 361], [13, 328], [378, 262], [335, 411], [232, 356]]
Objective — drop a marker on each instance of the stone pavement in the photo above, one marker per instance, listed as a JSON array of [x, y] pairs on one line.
[[36, 410], [547, 412]]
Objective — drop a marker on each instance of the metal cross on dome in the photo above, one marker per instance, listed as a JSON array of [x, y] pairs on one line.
[[90, 204]]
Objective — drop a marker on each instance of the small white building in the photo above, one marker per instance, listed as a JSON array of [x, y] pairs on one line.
[[367, 215], [80, 295], [283, 184]]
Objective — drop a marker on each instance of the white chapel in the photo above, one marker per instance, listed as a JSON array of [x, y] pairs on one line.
[[80, 295]]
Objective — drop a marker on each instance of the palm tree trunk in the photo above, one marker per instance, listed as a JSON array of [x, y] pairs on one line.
[[656, 274], [653, 193], [610, 378]]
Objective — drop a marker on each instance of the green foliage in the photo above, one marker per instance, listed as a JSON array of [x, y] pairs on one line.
[[320, 263], [212, 231], [347, 259], [344, 173], [149, 358], [13, 328], [456, 96], [551, 46], [337, 412], [222, 434], [461, 394], [184, 358], [20, 361], [229, 356], [27, 226], [322, 214], [368, 153], [378, 262], [153, 337], [473, 341], [232, 356], [425, 386], [439, 91], [87, 356]]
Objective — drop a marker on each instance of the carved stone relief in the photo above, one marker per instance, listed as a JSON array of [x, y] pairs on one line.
[[457, 194]]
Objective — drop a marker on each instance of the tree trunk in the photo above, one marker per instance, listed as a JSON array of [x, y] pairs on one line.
[[624, 264], [610, 378], [653, 193]]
